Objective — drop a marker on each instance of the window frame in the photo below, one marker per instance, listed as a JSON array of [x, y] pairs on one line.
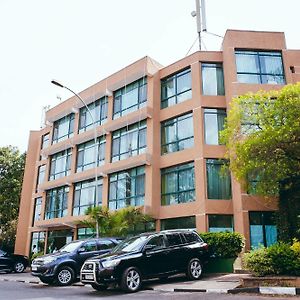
[[103, 107], [258, 54], [78, 187], [119, 97], [175, 122], [115, 178], [62, 211], [216, 66], [70, 119], [124, 132], [66, 155], [82, 148], [176, 170], [176, 76]]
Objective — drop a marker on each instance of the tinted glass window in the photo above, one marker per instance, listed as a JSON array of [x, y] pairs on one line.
[[102, 245], [90, 246], [157, 242], [174, 239], [191, 237]]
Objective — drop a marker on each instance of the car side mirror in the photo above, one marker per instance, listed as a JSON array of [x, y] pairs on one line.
[[149, 247], [81, 249]]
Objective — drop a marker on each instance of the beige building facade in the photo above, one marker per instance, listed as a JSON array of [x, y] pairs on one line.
[[158, 146]]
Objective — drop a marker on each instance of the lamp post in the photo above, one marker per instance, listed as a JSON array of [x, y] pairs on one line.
[[95, 139]]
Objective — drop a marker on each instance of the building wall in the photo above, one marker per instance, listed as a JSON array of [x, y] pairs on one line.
[[240, 204]]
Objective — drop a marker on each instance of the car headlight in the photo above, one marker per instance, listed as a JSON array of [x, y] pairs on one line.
[[110, 263], [48, 260]]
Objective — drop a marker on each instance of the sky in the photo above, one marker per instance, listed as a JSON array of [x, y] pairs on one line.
[[80, 42]]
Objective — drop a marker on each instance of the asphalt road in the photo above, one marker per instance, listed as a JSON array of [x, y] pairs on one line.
[[19, 290]]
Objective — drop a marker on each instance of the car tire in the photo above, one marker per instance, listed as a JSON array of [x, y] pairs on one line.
[[99, 287], [65, 276], [194, 269], [19, 267], [47, 280], [131, 280]]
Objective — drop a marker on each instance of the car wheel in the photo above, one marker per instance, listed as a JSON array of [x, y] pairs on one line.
[[65, 276], [194, 269], [131, 280], [47, 280], [99, 287], [19, 267]]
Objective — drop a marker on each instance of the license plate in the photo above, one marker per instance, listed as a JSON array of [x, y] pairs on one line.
[[33, 268], [89, 277]]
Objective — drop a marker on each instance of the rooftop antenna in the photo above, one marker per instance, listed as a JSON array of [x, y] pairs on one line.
[[201, 19]]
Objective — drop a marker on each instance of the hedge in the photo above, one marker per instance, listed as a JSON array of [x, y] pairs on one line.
[[278, 259], [223, 244]]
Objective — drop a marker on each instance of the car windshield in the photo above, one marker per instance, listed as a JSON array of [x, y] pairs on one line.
[[71, 246], [130, 244]]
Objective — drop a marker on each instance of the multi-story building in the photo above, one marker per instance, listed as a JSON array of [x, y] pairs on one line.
[[159, 147]]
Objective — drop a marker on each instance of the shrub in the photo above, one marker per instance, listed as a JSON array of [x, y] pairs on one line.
[[278, 259], [223, 244], [258, 262], [296, 247]]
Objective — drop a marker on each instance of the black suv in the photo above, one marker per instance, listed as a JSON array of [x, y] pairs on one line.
[[63, 266], [148, 255]]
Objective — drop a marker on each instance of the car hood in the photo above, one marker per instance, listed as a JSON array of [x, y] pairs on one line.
[[116, 255], [55, 255]]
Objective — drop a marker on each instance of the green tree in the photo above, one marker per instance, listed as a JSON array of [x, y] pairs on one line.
[[262, 136], [12, 164], [114, 223]]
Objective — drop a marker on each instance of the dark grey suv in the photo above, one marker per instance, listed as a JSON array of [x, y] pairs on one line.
[[148, 255], [63, 266]]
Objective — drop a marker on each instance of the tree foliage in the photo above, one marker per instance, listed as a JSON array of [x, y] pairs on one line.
[[114, 223], [12, 164], [262, 135]]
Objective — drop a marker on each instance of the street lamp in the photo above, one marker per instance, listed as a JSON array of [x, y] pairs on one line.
[[95, 138]]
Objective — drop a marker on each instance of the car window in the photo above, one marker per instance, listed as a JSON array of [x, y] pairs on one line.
[[103, 245], [192, 237], [2, 253], [90, 246], [174, 239], [157, 242]]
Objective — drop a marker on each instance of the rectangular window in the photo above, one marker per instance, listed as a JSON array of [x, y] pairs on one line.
[[57, 239], [176, 223], [178, 184], [176, 88], [263, 230], [41, 175], [214, 120], [57, 202], [60, 164], [86, 154], [37, 242], [218, 182], [259, 67], [129, 141], [130, 98], [212, 79], [85, 233], [45, 143], [98, 109], [220, 223], [177, 134], [63, 128], [37, 209], [127, 188], [85, 195]]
